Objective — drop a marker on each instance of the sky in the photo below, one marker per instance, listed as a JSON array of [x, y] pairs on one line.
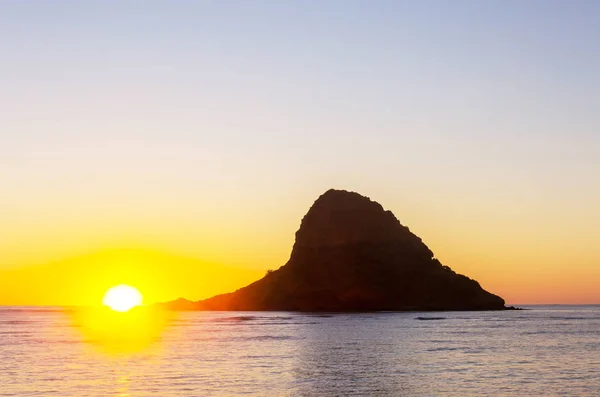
[[201, 132]]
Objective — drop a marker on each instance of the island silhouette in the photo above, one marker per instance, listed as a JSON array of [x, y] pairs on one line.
[[350, 254]]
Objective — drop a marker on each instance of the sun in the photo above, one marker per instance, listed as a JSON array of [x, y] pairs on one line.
[[122, 298]]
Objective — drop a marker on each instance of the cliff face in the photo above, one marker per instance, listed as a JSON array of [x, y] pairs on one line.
[[352, 255]]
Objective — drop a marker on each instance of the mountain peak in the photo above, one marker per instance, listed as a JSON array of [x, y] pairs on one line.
[[340, 217]]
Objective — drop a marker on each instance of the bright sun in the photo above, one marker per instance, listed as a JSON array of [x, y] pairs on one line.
[[122, 298]]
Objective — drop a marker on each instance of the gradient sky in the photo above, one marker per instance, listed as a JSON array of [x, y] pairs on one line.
[[206, 129]]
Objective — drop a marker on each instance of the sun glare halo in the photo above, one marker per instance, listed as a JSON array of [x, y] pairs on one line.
[[122, 298]]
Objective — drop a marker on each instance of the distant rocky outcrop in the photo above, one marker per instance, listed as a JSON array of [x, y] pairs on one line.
[[352, 255]]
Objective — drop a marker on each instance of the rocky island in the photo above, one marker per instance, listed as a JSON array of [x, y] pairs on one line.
[[352, 255]]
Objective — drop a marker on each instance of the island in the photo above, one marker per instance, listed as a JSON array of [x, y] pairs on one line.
[[351, 255]]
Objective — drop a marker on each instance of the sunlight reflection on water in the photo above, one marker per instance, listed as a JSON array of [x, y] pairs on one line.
[[546, 351], [121, 332]]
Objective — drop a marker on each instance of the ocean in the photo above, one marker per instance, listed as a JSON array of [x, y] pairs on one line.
[[545, 350]]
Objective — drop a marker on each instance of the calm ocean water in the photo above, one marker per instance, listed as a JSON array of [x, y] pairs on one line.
[[548, 350]]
